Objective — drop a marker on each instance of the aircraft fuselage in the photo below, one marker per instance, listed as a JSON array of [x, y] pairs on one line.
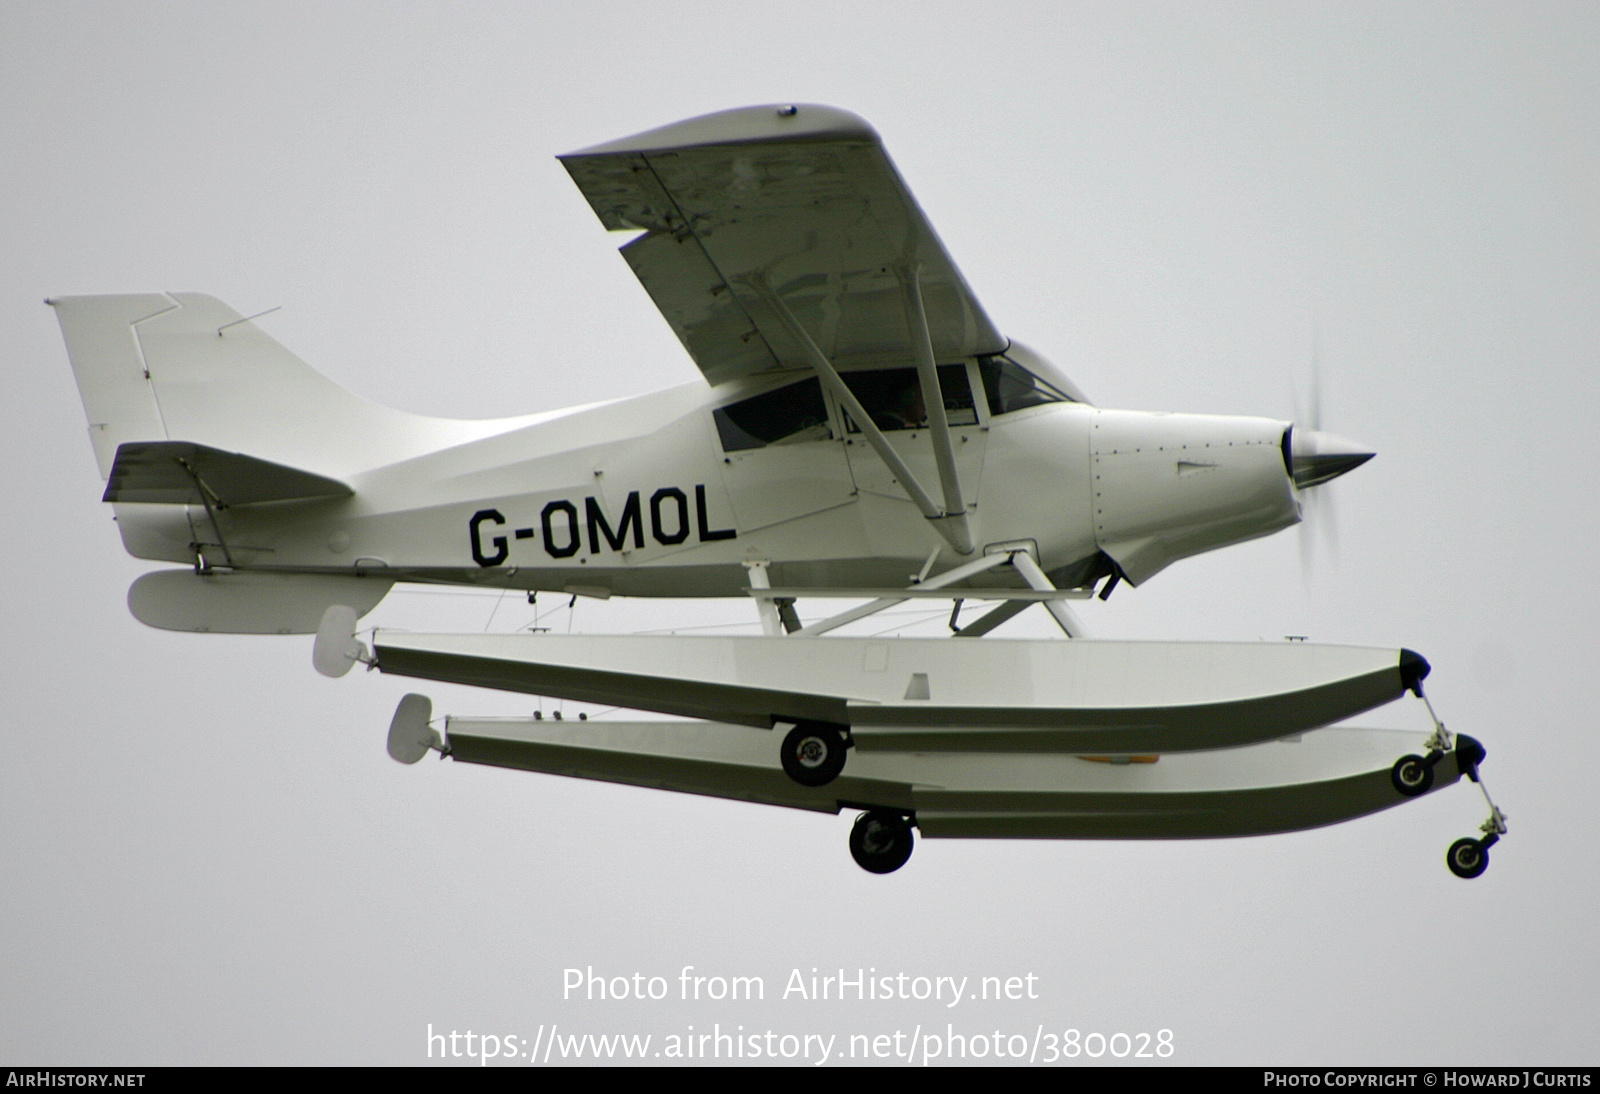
[[646, 496]]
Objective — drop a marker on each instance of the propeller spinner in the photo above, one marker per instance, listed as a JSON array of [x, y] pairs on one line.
[[1316, 457]]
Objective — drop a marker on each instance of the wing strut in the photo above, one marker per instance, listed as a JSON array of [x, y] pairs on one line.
[[932, 397], [989, 620], [949, 577], [951, 525], [1035, 577], [771, 624]]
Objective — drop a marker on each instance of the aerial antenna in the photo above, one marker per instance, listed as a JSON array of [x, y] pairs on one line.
[[247, 319]]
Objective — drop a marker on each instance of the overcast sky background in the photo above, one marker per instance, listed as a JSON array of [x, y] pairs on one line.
[[205, 854]]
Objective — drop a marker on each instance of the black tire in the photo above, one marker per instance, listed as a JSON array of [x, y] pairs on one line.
[[813, 754], [1412, 776], [1467, 858], [881, 841]]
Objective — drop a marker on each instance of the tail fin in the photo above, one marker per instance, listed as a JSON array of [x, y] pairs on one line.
[[116, 388], [186, 367]]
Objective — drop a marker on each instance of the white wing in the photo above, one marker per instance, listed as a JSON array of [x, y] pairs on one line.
[[804, 197]]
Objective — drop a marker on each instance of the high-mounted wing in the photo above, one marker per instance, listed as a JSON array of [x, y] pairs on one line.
[[802, 200]]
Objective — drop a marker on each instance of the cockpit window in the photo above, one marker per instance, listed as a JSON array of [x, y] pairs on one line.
[[788, 415], [893, 397], [1008, 386]]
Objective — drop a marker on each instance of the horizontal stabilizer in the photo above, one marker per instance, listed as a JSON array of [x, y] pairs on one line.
[[1325, 777], [181, 473], [921, 694], [248, 602]]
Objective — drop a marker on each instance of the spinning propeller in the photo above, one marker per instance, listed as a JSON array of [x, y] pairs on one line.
[[1316, 457]]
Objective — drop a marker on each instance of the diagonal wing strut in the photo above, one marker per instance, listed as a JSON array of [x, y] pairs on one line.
[[933, 399], [950, 522]]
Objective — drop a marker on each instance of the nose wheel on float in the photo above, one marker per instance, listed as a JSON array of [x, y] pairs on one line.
[[1412, 777]]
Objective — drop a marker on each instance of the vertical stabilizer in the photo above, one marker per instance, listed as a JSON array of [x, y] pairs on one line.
[[186, 367], [107, 361]]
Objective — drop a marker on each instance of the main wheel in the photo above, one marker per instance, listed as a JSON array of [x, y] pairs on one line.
[[1411, 776], [881, 841], [1467, 858], [813, 754]]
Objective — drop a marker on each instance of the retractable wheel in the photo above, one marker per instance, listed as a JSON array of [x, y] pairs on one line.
[[881, 841], [1412, 776], [813, 754], [1467, 857]]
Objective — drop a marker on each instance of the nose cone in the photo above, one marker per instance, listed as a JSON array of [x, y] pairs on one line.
[[1315, 457]]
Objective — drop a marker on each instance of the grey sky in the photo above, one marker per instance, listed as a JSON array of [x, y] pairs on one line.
[[206, 855]]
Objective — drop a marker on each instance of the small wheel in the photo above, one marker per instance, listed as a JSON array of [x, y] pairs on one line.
[[813, 754], [1411, 776], [881, 841], [1467, 858]]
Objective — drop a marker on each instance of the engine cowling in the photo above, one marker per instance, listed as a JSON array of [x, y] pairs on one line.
[[1167, 486]]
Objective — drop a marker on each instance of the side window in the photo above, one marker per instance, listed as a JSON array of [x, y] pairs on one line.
[[1008, 386], [893, 397], [788, 415]]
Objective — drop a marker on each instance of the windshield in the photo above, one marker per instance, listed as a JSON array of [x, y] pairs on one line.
[[1008, 386]]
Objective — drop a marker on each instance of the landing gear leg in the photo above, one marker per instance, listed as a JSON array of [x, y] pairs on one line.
[[1413, 776], [881, 841], [1470, 857]]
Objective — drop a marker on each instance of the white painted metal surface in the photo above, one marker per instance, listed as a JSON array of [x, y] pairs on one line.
[[637, 496]]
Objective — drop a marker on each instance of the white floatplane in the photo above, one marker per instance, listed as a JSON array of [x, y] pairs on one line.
[[861, 421]]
